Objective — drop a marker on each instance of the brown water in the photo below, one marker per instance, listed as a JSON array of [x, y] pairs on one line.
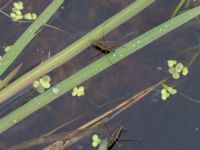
[[162, 125]]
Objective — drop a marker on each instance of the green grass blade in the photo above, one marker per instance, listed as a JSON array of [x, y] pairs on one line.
[[94, 68], [74, 49], [178, 7], [28, 35]]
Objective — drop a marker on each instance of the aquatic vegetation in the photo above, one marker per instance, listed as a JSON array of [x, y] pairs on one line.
[[166, 91], [90, 70], [78, 91], [42, 84], [30, 16], [176, 69], [28, 35], [7, 48], [67, 53], [10, 76], [17, 14], [96, 140], [181, 3], [103, 145]]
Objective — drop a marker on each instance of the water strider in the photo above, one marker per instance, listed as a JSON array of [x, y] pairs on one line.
[[102, 46], [106, 47], [114, 137]]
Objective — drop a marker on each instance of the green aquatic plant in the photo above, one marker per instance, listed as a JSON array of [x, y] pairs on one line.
[[96, 140], [18, 5], [166, 91], [87, 72], [17, 14], [42, 84], [67, 53], [28, 35], [103, 145], [7, 48], [30, 16], [176, 69], [185, 3], [78, 91]]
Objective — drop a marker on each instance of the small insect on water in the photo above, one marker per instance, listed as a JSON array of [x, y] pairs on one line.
[[115, 136], [102, 46], [106, 47]]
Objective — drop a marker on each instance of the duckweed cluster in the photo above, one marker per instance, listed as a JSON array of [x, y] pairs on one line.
[[167, 91], [78, 91], [18, 15], [42, 84], [176, 69], [96, 140], [7, 48]]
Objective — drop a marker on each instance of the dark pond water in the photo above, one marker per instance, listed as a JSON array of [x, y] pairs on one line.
[[173, 124]]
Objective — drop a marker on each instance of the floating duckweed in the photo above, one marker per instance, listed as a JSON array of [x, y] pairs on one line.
[[13, 15], [45, 81], [176, 69], [78, 91], [173, 91], [185, 71], [172, 70], [167, 91], [163, 91], [95, 137], [42, 84], [36, 83], [171, 63], [165, 96], [179, 67], [14, 10], [95, 140], [176, 76], [17, 13], [18, 5], [75, 90], [34, 16], [28, 16], [40, 89], [7, 48]]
